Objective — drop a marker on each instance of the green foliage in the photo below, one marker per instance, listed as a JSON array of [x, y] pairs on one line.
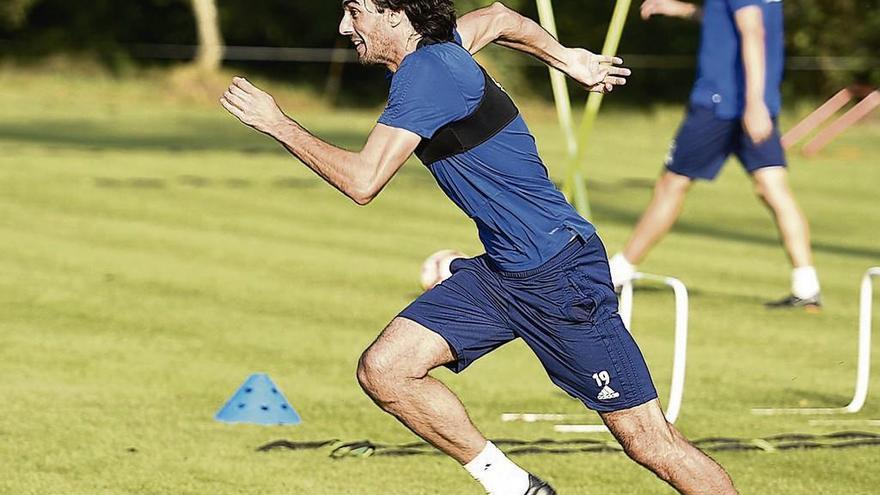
[[836, 28], [110, 29], [106, 29], [13, 12]]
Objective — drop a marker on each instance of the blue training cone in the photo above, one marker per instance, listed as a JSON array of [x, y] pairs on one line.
[[258, 401]]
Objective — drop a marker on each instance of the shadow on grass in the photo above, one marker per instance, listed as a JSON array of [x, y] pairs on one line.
[[175, 135], [184, 135], [200, 182], [611, 213]]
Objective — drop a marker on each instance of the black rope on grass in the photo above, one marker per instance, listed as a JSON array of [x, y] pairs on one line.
[[287, 444], [774, 443]]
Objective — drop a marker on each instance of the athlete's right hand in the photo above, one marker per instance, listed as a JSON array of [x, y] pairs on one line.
[[671, 8], [596, 73], [757, 122], [253, 106]]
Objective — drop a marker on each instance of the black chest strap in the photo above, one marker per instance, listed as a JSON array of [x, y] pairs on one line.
[[495, 111]]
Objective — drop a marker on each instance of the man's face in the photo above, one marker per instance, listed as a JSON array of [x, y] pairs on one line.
[[368, 29]]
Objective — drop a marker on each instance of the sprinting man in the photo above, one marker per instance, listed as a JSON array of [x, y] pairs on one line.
[[733, 110], [544, 277]]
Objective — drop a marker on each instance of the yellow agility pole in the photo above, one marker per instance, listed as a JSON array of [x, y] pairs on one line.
[[574, 186], [559, 85]]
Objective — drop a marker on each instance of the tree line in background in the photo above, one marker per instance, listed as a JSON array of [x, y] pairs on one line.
[[110, 31]]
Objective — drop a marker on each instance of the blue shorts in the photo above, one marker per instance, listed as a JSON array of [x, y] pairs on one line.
[[704, 142], [565, 311]]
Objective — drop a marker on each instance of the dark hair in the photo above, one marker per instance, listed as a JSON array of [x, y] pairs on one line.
[[433, 19]]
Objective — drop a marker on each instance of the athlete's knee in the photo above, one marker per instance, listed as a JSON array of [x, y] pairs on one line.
[[384, 375], [373, 377], [762, 192], [672, 184], [656, 447], [766, 192], [771, 186], [648, 438], [661, 450], [376, 374], [402, 355]]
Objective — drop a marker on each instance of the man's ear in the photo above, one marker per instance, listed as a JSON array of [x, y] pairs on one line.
[[395, 17]]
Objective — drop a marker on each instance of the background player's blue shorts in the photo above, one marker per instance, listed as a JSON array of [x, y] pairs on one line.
[[565, 311], [704, 142]]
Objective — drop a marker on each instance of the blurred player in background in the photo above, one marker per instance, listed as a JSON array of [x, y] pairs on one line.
[[733, 110]]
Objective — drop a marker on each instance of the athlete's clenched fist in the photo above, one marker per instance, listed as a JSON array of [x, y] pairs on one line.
[[252, 106]]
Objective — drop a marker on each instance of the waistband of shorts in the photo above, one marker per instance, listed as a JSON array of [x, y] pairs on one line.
[[559, 259]]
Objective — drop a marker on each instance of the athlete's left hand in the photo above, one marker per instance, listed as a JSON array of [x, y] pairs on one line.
[[252, 106], [596, 73], [757, 122]]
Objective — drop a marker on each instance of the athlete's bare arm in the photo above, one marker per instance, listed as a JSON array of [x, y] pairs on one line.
[[358, 175], [503, 26], [671, 8], [756, 117]]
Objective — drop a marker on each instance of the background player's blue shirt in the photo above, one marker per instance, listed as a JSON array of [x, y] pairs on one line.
[[721, 76], [522, 219]]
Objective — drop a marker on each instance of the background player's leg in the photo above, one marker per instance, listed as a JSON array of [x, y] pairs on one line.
[[661, 214], [659, 217], [651, 441], [393, 371], [771, 185]]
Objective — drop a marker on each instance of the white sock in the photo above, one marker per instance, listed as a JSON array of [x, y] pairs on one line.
[[804, 282], [498, 474], [621, 269]]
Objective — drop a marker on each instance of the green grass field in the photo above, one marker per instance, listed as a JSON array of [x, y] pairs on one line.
[[154, 253]]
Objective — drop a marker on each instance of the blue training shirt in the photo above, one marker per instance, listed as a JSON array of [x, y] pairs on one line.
[[720, 75], [502, 184]]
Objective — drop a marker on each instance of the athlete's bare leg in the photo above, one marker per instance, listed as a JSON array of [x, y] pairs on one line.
[[393, 371], [651, 441], [659, 216], [771, 185]]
